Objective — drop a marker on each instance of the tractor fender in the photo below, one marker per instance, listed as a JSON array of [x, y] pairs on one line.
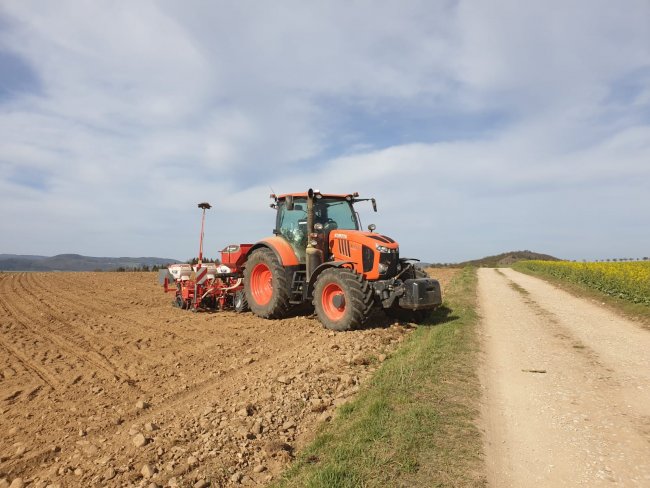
[[321, 268], [280, 247]]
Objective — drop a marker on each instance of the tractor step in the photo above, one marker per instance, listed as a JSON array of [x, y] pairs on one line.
[[297, 287]]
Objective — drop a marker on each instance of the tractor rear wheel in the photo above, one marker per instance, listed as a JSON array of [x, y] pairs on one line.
[[266, 284], [342, 299]]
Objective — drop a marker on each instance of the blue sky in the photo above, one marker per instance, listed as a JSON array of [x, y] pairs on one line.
[[480, 127]]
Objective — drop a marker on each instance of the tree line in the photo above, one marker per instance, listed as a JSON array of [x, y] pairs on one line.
[[155, 268]]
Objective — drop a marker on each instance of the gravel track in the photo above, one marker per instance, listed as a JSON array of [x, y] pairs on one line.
[[566, 387], [102, 383]]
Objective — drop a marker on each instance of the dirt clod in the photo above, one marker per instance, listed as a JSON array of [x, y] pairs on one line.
[[139, 440], [274, 447], [147, 470], [289, 424], [109, 474]]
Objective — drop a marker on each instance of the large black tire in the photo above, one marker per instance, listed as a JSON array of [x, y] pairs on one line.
[[267, 285], [240, 302], [342, 298]]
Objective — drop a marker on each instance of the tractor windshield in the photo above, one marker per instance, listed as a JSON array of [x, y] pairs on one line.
[[335, 213]]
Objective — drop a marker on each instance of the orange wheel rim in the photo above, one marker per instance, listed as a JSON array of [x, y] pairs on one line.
[[333, 300], [262, 284]]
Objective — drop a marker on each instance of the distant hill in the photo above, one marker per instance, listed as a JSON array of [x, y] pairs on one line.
[[507, 258], [504, 259], [76, 262]]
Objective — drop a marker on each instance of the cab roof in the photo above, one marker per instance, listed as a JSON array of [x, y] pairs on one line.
[[341, 196]]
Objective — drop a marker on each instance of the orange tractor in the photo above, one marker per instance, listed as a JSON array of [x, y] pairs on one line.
[[320, 255]]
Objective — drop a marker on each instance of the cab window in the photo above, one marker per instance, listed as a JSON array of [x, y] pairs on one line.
[[292, 225]]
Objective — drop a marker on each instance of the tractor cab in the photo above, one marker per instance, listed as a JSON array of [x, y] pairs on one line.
[[330, 212]]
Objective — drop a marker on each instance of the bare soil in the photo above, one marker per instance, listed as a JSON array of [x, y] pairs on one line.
[[102, 383], [566, 387]]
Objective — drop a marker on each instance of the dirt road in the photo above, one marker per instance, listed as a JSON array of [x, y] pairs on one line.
[[566, 387], [103, 383]]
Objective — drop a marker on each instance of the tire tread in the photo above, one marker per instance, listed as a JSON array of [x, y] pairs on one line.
[[360, 298]]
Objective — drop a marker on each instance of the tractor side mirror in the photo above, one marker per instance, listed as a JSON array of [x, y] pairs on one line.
[[374, 204], [289, 202], [372, 227]]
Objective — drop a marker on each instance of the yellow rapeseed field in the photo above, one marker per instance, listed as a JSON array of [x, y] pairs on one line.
[[627, 280]]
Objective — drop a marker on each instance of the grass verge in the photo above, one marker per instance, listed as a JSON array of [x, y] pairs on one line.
[[414, 422], [634, 311]]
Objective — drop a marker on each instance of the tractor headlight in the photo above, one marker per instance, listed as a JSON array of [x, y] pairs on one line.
[[383, 268], [381, 248]]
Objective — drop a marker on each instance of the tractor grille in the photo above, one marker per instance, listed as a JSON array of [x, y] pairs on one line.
[[344, 247]]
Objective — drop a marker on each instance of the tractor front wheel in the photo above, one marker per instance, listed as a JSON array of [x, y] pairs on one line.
[[342, 299], [266, 284]]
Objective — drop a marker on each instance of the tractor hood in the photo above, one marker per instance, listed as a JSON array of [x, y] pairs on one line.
[[374, 255], [373, 240]]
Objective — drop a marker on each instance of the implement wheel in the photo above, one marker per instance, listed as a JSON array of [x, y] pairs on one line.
[[240, 302], [179, 302], [342, 299], [266, 284]]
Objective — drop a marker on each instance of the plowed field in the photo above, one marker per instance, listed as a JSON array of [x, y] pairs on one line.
[[102, 382]]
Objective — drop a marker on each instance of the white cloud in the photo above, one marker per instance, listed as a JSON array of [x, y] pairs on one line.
[[144, 109]]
